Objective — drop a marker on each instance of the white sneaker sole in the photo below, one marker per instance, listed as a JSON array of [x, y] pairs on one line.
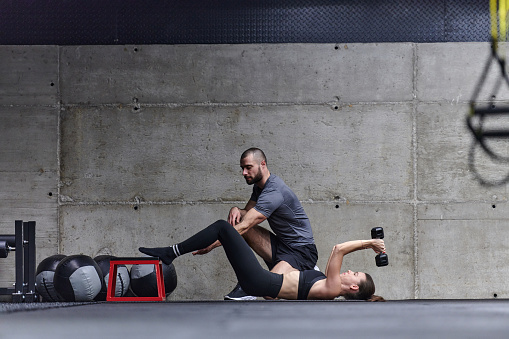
[[249, 297]]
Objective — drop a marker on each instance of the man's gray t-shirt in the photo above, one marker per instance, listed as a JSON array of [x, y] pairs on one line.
[[283, 211]]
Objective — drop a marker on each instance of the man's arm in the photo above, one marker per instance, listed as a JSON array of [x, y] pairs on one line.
[[250, 218], [236, 214]]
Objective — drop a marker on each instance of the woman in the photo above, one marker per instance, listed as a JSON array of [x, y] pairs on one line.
[[257, 281]]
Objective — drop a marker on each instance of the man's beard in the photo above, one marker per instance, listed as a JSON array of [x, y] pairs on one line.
[[255, 179]]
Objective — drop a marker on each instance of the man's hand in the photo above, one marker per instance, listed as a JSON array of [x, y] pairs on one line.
[[207, 249], [234, 216]]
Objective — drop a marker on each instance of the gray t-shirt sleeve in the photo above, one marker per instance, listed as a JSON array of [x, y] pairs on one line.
[[269, 201]]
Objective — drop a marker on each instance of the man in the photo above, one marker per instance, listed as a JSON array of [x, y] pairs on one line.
[[291, 247]]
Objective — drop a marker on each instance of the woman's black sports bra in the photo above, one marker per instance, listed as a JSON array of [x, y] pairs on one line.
[[306, 280]]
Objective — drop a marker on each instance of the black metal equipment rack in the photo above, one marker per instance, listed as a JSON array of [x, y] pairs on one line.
[[24, 246]]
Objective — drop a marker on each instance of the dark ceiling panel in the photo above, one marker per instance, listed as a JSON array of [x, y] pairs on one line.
[[72, 22]]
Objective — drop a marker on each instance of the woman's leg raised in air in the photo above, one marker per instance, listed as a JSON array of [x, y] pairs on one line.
[[252, 277]]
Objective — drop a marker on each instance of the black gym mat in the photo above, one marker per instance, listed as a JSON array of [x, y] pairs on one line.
[[266, 319]]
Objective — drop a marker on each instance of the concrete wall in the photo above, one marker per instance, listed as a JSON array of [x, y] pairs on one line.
[[113, 147]]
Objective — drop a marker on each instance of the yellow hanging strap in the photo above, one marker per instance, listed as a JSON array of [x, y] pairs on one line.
[[494, 21], [478, 113], [502, 11], [498, 15]]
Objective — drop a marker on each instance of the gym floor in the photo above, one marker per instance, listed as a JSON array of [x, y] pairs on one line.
[[258, 319]]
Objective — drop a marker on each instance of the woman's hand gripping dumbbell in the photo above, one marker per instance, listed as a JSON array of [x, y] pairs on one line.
[[381, 259]]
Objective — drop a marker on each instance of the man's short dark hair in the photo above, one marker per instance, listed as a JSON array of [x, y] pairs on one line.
[[256, 153]]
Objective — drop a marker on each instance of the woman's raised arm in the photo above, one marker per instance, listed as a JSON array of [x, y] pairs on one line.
[[332, 287], [340, 250]]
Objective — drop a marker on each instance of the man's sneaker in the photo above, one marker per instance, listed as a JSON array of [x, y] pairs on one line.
[[238, 294]]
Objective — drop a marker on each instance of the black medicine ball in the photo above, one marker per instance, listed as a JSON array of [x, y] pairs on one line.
[[144, 280], [78, 278], [44, 278], [123, 278]]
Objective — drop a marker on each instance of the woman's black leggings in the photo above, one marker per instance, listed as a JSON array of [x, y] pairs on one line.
[[252, 277]]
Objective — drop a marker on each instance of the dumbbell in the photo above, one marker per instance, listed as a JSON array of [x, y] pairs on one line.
[[5, 248], [381, 259]]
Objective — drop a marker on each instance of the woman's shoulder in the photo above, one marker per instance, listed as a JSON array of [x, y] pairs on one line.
[[322, 290]]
